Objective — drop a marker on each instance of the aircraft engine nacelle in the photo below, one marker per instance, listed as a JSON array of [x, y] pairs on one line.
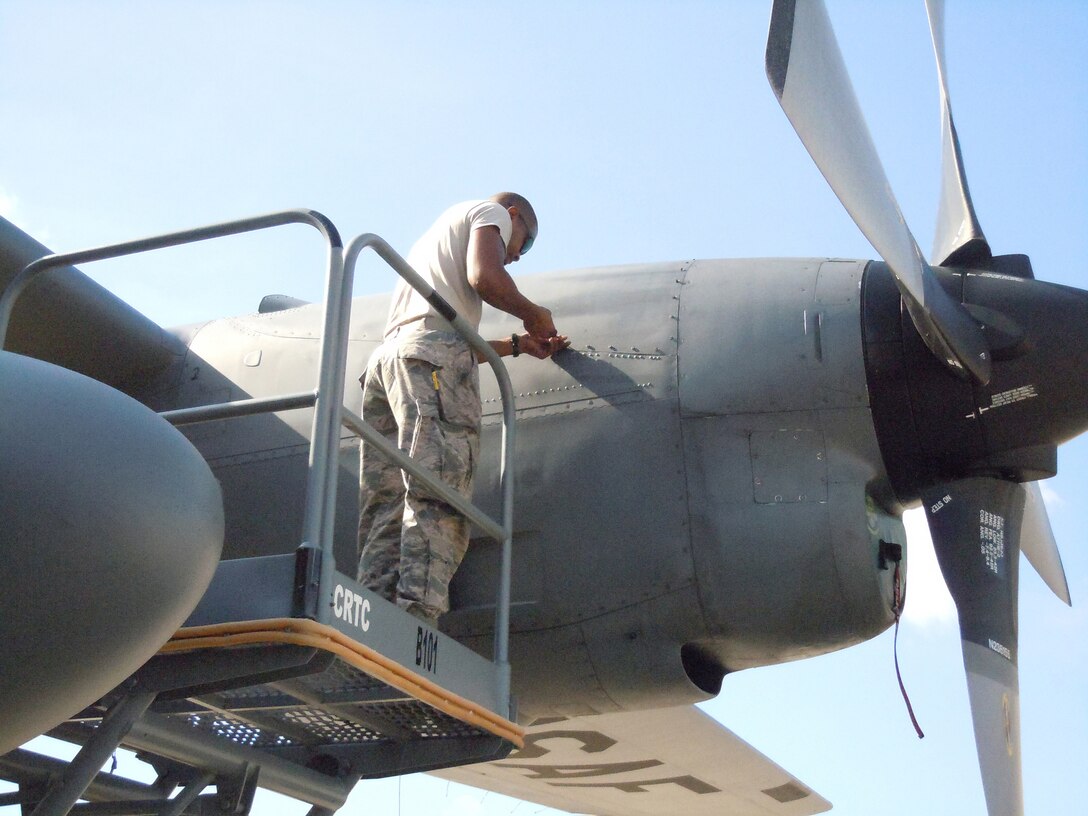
[[788, 495], [111, 526], [700, 486]]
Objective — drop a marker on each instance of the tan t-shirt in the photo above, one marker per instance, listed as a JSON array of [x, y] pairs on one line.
[[440, 257]]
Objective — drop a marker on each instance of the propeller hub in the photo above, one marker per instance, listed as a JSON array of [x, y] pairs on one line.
[[934, 427]]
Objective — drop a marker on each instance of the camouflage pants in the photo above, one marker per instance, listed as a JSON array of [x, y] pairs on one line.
[[421, 391]]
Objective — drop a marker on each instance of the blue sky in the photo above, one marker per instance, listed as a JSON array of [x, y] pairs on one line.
[[642, 131]]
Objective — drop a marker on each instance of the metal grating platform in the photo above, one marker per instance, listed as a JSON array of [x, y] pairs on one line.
[[298, 703], [340, 706], [347, 703]]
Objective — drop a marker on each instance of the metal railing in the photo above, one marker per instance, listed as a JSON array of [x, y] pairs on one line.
[[328, 395], [501, 531]]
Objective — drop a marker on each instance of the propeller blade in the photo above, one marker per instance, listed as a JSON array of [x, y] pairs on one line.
[[1038, 544], [975, 524], [807, 73], [959, 240]]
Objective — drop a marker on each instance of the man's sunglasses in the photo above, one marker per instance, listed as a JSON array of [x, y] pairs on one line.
[[529, 237]]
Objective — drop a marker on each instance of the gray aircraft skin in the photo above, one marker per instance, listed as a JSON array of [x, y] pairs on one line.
[[688, 475], [735, 442]]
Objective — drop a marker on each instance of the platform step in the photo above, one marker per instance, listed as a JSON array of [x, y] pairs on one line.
[[254, 682], [350, 706], [372, 692]]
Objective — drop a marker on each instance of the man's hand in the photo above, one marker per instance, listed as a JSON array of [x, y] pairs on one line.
[[542, 349], [540, 324]]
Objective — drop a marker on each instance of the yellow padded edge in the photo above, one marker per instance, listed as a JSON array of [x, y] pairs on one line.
[[304, 632]]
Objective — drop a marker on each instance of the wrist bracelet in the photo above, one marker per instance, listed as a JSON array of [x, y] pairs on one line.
[[515, 345]]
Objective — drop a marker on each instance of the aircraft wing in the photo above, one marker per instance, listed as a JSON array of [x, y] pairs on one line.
[[643, 763]]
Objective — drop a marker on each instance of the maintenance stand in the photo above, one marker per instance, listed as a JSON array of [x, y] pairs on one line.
[[305, 682]]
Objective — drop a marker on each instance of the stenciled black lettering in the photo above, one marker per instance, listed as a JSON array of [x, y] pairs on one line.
[[593, 742], [426, 650]]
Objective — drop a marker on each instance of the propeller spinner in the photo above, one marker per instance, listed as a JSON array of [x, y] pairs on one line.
[[971, 447]]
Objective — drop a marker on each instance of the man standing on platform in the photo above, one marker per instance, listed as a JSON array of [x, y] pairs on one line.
[[421, 391]]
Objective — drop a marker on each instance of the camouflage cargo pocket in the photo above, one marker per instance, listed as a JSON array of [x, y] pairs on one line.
[[444, 450]]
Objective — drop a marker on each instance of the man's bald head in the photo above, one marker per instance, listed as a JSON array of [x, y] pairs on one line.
[[509, 200]]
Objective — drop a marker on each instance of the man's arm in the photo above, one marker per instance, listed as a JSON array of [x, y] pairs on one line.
[[488, 276]]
